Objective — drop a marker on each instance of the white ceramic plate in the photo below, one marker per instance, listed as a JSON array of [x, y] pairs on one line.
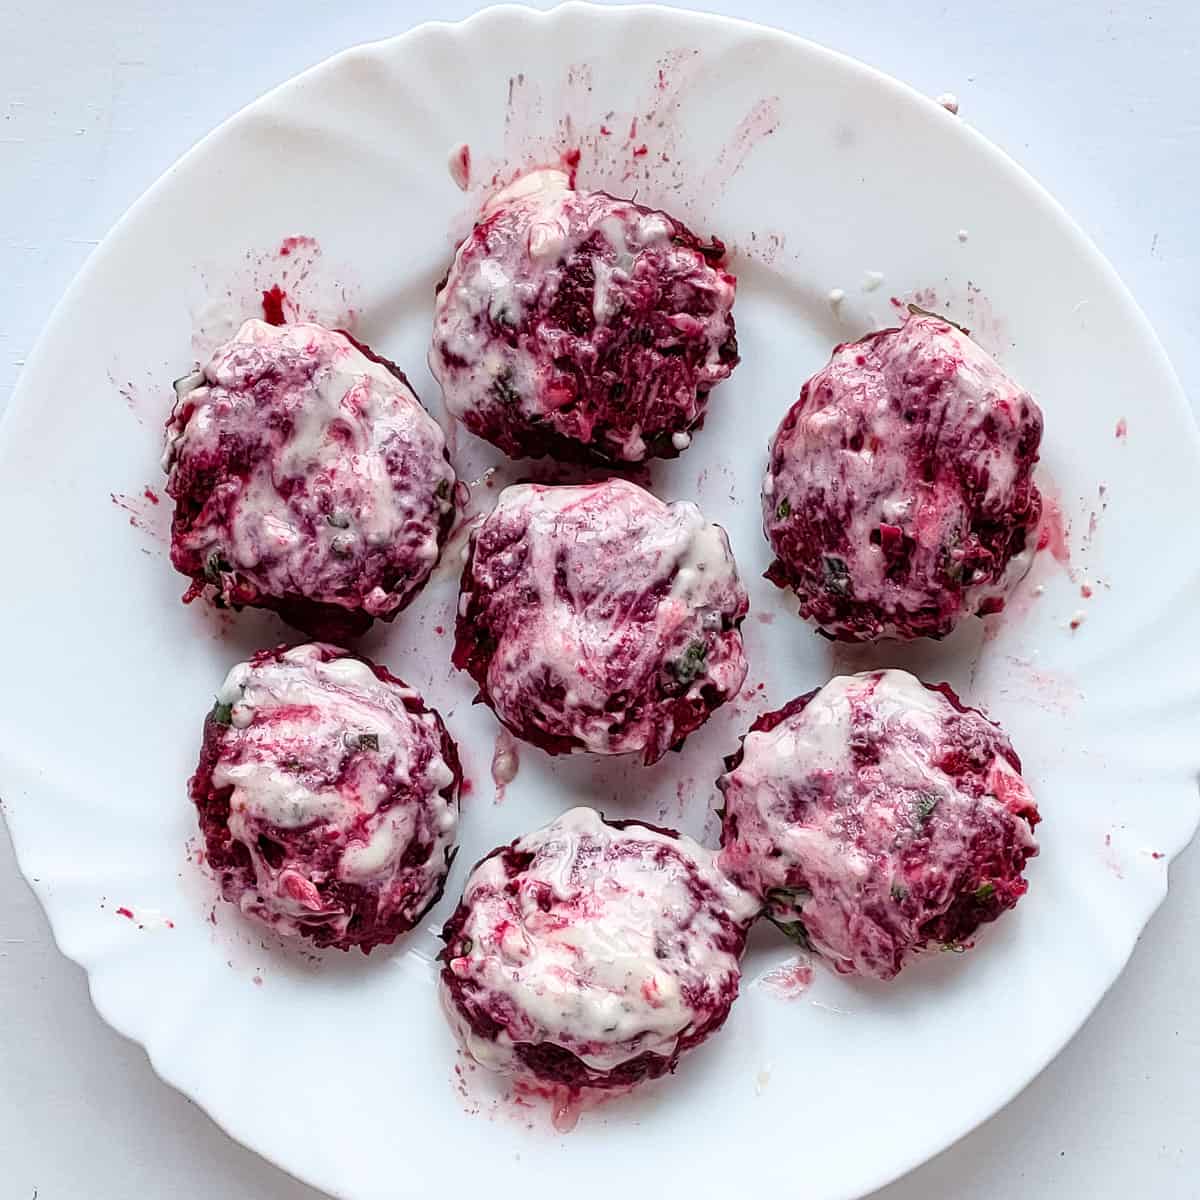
[[820, 174]]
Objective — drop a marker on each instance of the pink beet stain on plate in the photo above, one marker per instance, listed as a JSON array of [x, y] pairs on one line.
[[526, 1101], [1122, 430], [460, 167], [635, 150], [1052, 535], [145, 513], [287, 283], [790, 980], [290, 245], [566, 1104]]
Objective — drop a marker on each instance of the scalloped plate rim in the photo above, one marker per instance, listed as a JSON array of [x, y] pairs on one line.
[[23, 396]]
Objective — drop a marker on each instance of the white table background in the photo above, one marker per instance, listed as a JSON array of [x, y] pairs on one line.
[[1099, 101]]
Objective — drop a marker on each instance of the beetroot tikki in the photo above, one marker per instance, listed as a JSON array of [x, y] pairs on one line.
[[875, 817], [599, 618], [899, 495], [307, 478], [593, 953], [328, 797], [578, 325]]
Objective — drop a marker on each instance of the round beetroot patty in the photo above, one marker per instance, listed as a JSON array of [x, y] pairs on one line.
[[578, 325], [877, 816], [899, 495], [328, 796], [600, 618], [593, 953], [307, 478]]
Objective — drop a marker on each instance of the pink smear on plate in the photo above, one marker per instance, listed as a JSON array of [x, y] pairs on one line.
[[145, 513], [566, 1104], [460, 167], [1043, 689], [286, 283], [790, 980], [638, 150], [290, 245], [1052, 535]]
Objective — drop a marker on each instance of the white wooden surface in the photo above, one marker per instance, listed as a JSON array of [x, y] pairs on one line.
[[1098, 100]]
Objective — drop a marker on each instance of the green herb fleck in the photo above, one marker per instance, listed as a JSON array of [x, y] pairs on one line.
[[837, 575], [222, 713], [918, 311], [442, 491], [691, 663], [504, 390], [784, 510], [984, 892], [465, 947], [791, 897], [793, 930], [953, 566], [216, 565], [339, 520], [954, 947], [923, 807], [362, 741], [899, 892], [786, 901]]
